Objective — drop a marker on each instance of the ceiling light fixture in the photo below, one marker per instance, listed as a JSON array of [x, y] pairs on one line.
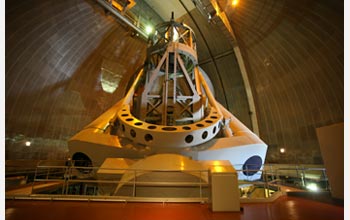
[[235, 2]]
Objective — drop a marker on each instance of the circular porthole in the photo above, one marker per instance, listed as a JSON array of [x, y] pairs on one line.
[[138, 123], [200, 125], [152, 127], [189, 138], [205, 135], [209, 121], [252, 165], [82, 162], [186, 128], [169, 129], [129, 119], [124, 115], [214, 129]]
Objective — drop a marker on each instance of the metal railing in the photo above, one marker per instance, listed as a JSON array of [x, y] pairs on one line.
[[115, 183], [73, 180], [298, 176]]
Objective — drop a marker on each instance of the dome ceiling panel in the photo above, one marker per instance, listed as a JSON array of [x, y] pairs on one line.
[[294, 50], [53, 68]]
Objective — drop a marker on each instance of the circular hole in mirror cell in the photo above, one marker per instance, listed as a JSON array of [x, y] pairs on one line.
[[189, 138], [205, 135], [214, 130], [200, 125], [148, 137], [124, 115], [124, 110], [186, 128], [132, 133], [209, 121], [129, 119], [138, 123], [152, 127], [252, 165], [169, 129], [213, 117], [83, 161]]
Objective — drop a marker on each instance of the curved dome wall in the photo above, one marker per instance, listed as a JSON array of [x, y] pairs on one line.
[[294, 52], [55, 52]]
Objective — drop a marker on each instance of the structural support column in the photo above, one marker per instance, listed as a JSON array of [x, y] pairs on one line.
[[248, 90]]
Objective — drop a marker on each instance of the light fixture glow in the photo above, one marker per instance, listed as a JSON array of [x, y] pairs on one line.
[[28, 143], [312, 187], [149, 29], [235, 2], [282, 150]]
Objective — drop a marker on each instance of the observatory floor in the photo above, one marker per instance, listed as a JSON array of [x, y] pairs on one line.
[[286, 208]]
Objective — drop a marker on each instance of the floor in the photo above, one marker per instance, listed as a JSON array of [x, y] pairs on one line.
[[284, 208]]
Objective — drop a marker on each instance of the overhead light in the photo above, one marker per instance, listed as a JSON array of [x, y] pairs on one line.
[[28, 143], [149, 29], [235, 2], [282, 150]]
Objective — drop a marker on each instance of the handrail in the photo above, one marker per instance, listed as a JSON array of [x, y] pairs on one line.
[[267, 168], [128, 169], [45, 177], [138, 183], [67, 180]]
